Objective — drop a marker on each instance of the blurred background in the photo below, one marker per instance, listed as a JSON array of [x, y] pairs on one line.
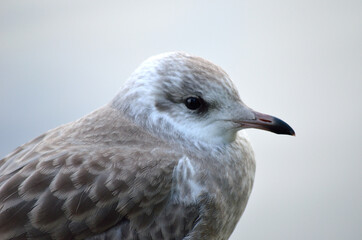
[[297, 60]]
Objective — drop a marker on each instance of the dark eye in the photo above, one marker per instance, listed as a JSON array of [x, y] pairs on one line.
[[193, 103]]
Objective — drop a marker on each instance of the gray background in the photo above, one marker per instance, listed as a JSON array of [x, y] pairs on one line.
[[298, 60]]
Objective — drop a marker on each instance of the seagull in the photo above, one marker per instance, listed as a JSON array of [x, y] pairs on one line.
[[164, 159]]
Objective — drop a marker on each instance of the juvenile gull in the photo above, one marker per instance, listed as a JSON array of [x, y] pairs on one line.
[[162, 160]]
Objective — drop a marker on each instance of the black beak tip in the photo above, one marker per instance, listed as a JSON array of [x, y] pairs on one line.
[[281, 127]]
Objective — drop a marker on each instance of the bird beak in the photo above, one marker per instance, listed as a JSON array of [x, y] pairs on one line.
[[268, 123]]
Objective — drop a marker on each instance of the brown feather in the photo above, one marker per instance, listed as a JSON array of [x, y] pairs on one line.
[[72, 186]]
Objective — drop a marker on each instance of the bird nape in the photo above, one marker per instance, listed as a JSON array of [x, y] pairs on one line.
[[163, 160]]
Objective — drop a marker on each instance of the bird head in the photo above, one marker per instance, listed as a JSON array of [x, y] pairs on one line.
[[190, 98]]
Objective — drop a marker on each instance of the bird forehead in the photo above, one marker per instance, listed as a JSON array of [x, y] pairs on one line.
[[191, 73], [184, 65]]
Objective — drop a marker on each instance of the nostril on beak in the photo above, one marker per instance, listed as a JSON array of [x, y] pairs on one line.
[[265, 120]]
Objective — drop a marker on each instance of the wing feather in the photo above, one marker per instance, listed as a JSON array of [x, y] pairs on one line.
[[66, 184], [72, 200]]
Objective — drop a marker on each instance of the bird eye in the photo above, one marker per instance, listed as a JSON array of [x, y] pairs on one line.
[[193, 103]]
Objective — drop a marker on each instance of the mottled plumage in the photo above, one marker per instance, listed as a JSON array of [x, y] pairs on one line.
[[145, 166]]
